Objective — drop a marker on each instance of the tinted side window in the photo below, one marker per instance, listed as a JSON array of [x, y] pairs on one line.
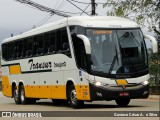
[[38, 45], [11, 49], [65, 43], [20, 49], [46, 43], [65, 49], [29, 51], [16, 48], [40, 49], [25, 48], [62, 43], [52, 42], [58, 41], [35, 45], [5, 51]]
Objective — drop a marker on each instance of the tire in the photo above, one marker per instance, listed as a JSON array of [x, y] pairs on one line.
[[73, 98], [122, 102], [23, 98], [16, 95]]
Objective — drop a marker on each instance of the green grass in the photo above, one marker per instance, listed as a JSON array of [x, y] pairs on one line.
[[153, 83]]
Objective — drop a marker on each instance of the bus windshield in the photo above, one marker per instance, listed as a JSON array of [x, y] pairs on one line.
[[117, 51]]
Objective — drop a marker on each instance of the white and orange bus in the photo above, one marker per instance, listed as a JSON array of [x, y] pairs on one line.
[[83, 58]]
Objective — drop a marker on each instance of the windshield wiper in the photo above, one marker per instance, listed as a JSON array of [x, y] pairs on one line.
[[113, 61]]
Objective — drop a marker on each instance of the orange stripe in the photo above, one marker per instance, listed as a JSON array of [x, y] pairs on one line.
[[6, 86], [56, 92], [53, 92], [15, 69], [121, 82], [82, 92]]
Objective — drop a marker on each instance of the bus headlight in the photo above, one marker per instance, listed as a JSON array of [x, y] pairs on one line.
[[98, 83], [144, 82]]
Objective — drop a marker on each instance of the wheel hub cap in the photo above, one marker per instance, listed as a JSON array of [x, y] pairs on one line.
[[22, 95], [73, 97]]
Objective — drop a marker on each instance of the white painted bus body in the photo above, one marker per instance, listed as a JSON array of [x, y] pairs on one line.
[[51, 81]]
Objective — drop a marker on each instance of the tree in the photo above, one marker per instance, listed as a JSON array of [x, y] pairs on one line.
[[144, 12]]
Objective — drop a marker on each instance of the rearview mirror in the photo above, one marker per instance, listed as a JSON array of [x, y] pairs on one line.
[[86, 43], [154, 42]]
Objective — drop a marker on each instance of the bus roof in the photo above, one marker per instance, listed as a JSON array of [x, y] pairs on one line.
[[86, 21]]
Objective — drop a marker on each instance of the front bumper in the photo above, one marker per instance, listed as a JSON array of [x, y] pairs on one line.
[[113, 92]]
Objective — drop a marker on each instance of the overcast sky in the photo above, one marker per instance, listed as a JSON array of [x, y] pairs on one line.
[[16, 17]]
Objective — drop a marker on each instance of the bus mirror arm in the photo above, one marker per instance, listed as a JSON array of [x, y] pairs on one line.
[[86, 43], [154, 42]]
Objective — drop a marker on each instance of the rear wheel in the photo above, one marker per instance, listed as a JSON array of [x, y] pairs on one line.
[[73, 98], [16, 95], [122, 102], [23, 98]]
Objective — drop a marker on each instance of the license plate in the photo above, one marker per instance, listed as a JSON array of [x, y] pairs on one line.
[[123, 94]]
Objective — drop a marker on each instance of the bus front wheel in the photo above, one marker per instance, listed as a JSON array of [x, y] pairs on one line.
[[122, 102], [73, 98]]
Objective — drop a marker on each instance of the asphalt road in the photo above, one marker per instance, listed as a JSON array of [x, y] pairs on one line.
[[7, 104]]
